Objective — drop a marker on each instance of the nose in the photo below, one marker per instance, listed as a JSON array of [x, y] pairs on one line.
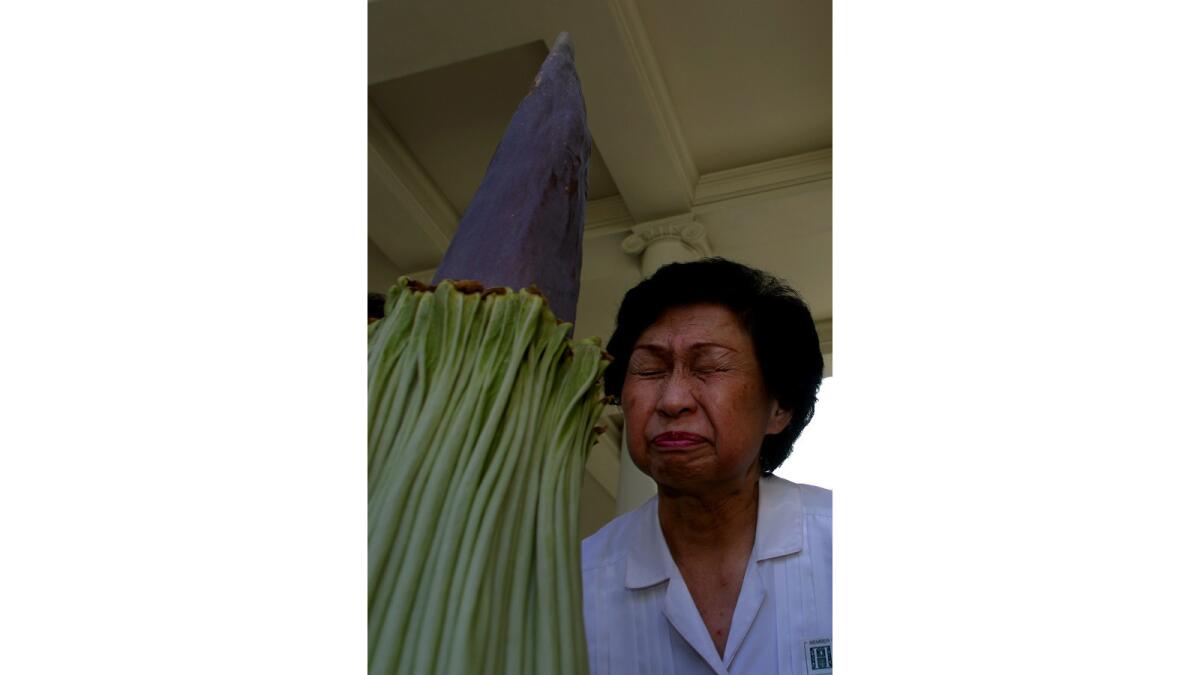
[[675, 397]]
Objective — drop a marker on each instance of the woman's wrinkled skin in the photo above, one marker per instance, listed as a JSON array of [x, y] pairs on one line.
[[694, 371]]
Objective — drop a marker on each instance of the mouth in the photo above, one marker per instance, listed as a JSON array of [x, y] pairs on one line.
[[677, 440]]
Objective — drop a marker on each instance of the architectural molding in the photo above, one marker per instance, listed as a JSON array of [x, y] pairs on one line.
[[618, 227], [650, 80], [392, 161], [423, 276], [606, 216], [609, 215], [764, 177], [683, 227]]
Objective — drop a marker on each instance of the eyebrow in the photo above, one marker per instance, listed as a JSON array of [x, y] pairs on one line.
[[659, 349]]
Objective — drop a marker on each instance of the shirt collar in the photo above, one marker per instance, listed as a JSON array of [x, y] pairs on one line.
[[781, 521], [649, 560], [780, 531]]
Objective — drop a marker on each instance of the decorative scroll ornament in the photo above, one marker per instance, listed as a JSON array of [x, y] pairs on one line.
[[681, 229]]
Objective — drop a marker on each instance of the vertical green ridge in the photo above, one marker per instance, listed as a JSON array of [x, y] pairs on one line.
[[480, 413]]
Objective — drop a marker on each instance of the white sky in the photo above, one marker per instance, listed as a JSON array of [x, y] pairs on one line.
[[814, 456]]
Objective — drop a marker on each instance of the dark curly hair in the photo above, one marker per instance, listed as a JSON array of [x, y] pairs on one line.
[[779, 323]]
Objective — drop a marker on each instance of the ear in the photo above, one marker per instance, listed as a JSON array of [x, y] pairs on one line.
[[780, 418]]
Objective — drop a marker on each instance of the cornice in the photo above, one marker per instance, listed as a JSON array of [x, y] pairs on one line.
[[777, 174]]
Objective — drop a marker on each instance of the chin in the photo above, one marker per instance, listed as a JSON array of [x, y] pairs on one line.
[[679, 474]]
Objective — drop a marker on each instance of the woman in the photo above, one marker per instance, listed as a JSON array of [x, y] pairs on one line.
[[727, 569]]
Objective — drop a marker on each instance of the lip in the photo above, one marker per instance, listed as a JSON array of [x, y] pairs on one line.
[[677, 440]]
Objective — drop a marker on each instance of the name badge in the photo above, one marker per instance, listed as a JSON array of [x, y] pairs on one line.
[[819, 655]]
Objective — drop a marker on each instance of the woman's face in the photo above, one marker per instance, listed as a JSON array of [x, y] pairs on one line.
[[696, 408]]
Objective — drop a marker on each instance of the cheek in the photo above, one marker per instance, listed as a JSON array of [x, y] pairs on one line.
[[631, 402], [633, 408], [738, 413], [734, 401]]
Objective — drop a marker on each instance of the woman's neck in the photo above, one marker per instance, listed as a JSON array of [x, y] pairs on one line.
[[713, 524]]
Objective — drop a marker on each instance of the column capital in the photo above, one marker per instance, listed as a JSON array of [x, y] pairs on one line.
[[682, 228]]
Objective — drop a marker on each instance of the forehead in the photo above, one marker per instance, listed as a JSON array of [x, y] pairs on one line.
[[680, 327]]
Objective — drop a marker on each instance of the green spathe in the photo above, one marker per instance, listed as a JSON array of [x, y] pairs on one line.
[[481, 412]]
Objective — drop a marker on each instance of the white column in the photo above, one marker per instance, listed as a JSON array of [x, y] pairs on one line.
[[670, 240], [658, 243]]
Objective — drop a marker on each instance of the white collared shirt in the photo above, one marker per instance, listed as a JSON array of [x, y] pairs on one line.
[[640, 617]]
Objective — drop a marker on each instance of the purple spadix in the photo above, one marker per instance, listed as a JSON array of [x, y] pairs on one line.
[[524, 226]]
